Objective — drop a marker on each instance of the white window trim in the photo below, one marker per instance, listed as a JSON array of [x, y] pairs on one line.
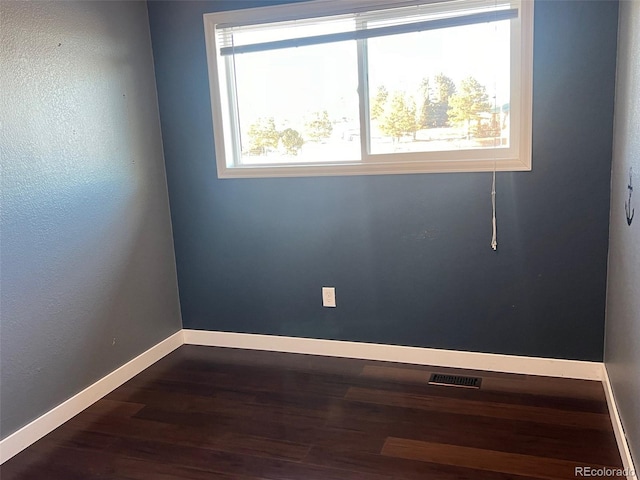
[[446, 161]]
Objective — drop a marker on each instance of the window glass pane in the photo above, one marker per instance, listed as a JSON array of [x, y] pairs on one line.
[[298, 105], [438, 90]]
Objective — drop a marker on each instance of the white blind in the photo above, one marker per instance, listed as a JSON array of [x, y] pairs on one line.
[[237, 38]]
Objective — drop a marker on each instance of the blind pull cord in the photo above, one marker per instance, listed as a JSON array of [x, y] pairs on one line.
[[494, 237]]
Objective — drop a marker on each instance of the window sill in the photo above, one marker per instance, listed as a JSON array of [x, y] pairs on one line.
[[315, 170]]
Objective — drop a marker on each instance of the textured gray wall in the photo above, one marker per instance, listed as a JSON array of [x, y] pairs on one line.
[[622, 348], [88, 271]]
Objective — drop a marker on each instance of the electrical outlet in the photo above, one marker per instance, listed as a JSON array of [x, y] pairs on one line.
[[328, 296]]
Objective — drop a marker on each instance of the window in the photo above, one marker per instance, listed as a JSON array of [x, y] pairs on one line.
[[344, 87]]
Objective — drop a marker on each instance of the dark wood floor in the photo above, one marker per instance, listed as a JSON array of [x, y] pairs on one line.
[[213, 413]]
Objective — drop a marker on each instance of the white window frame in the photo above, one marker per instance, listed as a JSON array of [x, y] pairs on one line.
[[226, 138]]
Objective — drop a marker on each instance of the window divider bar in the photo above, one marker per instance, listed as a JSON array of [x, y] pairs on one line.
[[363, 96], [471, 19]]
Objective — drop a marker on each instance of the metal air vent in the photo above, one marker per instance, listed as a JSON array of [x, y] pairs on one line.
[[454, 381]]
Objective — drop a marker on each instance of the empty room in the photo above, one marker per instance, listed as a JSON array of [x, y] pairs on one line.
[[320, 239]]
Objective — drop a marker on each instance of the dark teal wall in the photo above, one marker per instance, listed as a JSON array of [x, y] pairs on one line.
[[409, 255]]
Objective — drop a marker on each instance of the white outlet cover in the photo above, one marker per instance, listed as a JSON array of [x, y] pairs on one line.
[[328, 296]]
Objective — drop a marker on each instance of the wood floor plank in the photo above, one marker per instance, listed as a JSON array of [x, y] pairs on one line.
[[476, 407], [61, 464], [134, 428], [495, 381], [114, 408], [532, 438], [482, 459], [517, 436], [219, 462], [400, 468], [258, 446], [134, 469], [530, 390]]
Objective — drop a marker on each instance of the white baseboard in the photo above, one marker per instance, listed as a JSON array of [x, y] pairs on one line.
[[30, 433], [621, 438], [549, 367]]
